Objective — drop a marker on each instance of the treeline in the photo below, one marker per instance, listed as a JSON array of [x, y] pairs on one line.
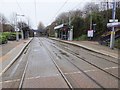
[[80, 20]]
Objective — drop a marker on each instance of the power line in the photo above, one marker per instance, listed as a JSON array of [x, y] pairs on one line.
[[60, 9], [64, 5]]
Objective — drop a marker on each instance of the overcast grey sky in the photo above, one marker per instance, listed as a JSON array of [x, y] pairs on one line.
[[45, 9]]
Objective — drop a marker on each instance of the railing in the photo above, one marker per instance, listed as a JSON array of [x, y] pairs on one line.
[[105, 39]]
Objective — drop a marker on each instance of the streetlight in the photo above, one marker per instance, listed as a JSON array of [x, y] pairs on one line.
[[16, 29], [27, 22], [90, 18], [71, 29], [112, 39]]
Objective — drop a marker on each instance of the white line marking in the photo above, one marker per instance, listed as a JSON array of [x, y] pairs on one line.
[[10, 81], [80, 72], [73, 73], [91, 70], [58, 74], [110, 68], [42, 76]]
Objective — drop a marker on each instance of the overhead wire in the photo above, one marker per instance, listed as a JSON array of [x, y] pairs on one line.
[[63, 6], [59, 9]]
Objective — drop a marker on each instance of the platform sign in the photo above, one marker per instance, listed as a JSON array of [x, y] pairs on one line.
[[111, 20], [90, 33], [114, 24]]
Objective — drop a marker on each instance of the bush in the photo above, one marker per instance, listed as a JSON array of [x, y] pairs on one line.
[[12, 37], [117, 43], [3, 39], [7, 34], [83, 37]]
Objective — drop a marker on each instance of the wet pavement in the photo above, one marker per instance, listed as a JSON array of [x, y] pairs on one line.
[[77, 65], [13, 54], [12, 77], [41, 71], [5, 48], [63, 57]]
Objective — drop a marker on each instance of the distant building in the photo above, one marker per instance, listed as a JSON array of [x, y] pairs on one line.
[[6, 28]]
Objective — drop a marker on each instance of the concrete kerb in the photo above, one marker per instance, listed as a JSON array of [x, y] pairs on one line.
[[84, 47], [18, 55]]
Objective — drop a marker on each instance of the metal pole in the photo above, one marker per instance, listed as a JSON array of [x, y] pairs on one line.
[[112, 39], [28, 26], [17, 37], [71, 30], [90, 20], [22, 31], [69, 21]]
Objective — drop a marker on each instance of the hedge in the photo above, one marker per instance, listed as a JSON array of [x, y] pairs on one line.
[[5, 36], [3, 39]]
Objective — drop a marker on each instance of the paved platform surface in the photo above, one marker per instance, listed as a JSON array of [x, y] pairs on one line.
[[12, 52], [5, 48], [94, 46]]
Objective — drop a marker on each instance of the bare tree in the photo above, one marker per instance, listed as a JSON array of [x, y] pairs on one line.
[[64, 17], [41, 26], [75, 13], [90, 7], [50, 28], [21, 25], [3, 21], [13, 19]]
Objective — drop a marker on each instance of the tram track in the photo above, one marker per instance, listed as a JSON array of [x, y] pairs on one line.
[[53, 54], [93, 64], [57, 66], [64, 75], [69, 45], [12, 77], [54, 45]]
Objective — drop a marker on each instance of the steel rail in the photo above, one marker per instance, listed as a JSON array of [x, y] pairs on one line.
[[87, 52], [24, 72], [57, 66], [81, 58]]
